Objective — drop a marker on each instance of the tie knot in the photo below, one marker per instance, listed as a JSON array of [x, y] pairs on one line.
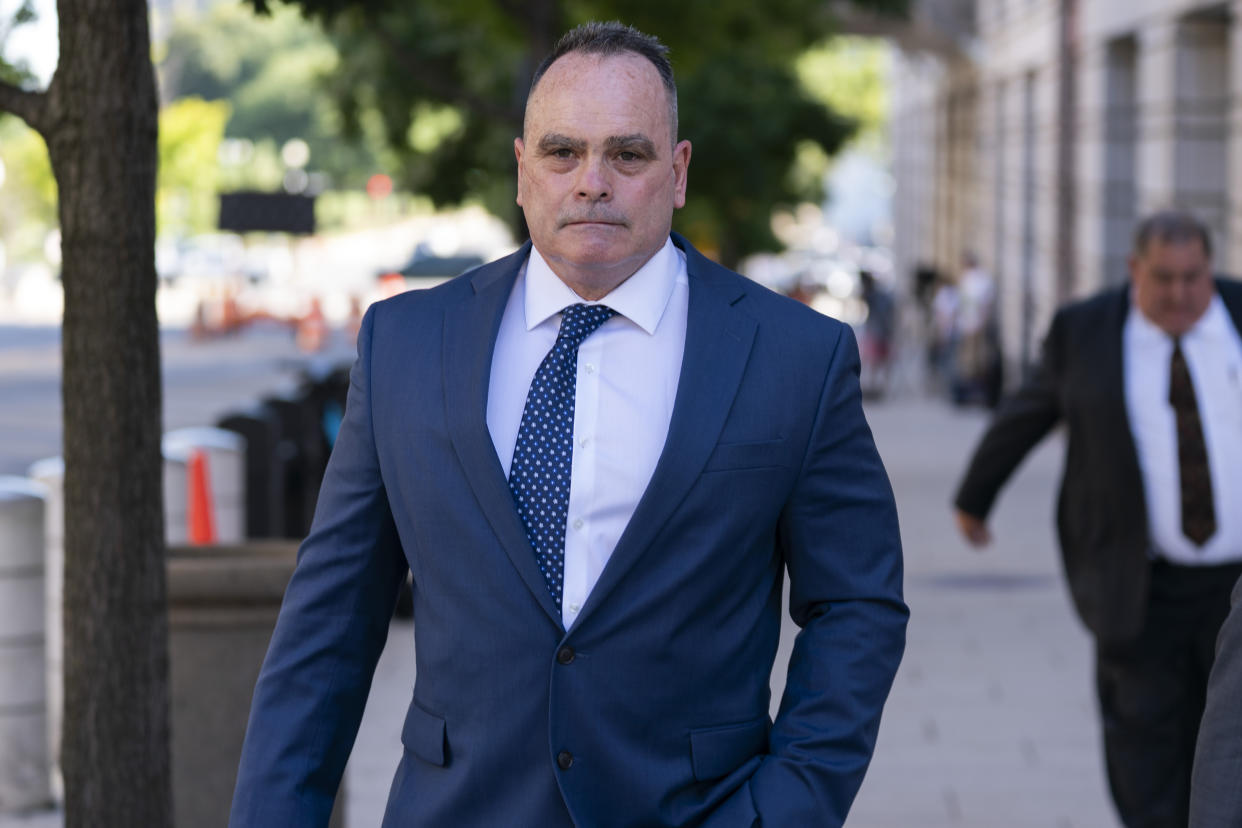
[[580, 321]]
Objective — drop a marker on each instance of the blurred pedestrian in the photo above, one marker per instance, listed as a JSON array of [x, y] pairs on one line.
[[942, 334], [877, 334], [1216, 785], [976, 353], [598, 456], [1147, 378]]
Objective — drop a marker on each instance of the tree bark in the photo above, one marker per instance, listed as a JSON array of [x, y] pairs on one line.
[[100, 126]]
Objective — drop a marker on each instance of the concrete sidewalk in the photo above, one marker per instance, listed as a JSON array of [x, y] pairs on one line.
[[991, 723]]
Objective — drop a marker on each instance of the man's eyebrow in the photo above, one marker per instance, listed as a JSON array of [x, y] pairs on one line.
[[554, 141], [637, 142]]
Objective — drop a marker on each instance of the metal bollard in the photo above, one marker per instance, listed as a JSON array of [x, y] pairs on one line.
[[24, 767], [50, 474]]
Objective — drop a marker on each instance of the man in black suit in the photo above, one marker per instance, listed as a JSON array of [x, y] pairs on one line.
[[1216, 786], [1148, 381]]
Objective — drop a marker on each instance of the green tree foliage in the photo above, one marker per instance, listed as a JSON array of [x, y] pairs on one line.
[[19, 73], [850, 75], [189, 145], [270, 71], [28, 195], [741, 103]]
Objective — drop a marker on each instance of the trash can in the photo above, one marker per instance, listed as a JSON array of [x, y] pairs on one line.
[[302, 443], [222, 606], [265, 469], [25, 771]]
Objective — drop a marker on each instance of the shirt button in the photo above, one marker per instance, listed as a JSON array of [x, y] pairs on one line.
[[564, 760], [578, 523], [565, 655], [590, 368], [584, 442], [574, 608]]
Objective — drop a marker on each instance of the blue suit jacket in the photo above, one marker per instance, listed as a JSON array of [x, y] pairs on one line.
[[658, 693]]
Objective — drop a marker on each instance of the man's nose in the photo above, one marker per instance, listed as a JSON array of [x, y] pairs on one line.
[[593, 180], [1178, 290]]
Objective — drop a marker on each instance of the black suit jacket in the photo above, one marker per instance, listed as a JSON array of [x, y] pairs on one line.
[[1101, 512]]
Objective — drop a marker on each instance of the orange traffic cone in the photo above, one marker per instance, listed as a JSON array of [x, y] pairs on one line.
[[201, 517]]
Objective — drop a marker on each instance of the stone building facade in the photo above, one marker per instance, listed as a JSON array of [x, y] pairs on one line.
[[1050, 127]]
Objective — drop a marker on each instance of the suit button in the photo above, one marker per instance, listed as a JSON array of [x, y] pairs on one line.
[[564, 760], [565, 655]]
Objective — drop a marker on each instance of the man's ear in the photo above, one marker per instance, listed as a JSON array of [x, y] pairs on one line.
[[518, 149], [681, 166]]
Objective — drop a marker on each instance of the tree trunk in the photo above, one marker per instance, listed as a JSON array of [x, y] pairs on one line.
[[100, 127]]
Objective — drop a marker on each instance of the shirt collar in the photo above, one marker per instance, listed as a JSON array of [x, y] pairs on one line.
[[641, 298], [1212, 324]]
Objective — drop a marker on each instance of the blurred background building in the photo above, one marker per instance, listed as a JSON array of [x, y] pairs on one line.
[[1034, 133]]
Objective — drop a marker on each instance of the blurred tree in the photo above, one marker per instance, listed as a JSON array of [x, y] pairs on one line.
[[28, 203], [186, 196], [740, 100], [99, 120], [270, 72], [15, 73], [850, 75], [191, 130]]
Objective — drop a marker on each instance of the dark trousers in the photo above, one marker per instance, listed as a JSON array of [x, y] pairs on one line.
[[1152, 690]]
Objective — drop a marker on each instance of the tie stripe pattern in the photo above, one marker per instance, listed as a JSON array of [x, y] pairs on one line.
[[543, 457], [1198, 508]]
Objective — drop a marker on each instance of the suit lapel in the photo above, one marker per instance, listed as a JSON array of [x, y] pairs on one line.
[[718, 342], [1229, 293], [470, 328], [1113, 371]]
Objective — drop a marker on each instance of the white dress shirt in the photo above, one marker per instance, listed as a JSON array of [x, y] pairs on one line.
[[1213, 354], [626, 384]]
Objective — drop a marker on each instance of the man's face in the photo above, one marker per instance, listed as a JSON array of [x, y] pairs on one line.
[[598, 175], [1172, 283]]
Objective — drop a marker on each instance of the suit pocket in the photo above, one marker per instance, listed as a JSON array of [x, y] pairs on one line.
[[757, 454], [718, 751], [424, 735]]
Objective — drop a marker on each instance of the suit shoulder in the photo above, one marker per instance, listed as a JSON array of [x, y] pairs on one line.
[[1230, 290], [1092, 309]]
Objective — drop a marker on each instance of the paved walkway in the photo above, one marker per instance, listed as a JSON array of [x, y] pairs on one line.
[[992, 719]]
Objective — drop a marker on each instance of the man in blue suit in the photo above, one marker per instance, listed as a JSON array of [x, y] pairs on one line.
[[597, 457]]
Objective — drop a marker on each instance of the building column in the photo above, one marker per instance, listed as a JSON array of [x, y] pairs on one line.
[[1157, 116], [1093, 110], [1229, 257]]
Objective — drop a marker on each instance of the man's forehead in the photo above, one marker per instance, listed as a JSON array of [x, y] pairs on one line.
[[578, 75], [1164, 248]]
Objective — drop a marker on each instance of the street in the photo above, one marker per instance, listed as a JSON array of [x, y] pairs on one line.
[[992, 717]]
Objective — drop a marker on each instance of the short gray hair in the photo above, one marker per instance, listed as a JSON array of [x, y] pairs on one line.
[[1171, 226], [608, 40]]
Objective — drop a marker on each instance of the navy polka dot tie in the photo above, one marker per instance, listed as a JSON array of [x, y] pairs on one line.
[[543, 457]]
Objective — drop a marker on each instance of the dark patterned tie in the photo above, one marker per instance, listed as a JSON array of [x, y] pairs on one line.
[[543, 456], [1198, 509]]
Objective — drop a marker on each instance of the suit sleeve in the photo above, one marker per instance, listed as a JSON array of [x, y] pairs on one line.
[[331, 629], [1018, 426], [1215, 795], [842, 548]]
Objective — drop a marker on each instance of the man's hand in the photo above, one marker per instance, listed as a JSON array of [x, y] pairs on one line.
[[973, 529]]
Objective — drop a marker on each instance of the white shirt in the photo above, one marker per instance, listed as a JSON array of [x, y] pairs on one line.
[[1213, 354], [626, 384]]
